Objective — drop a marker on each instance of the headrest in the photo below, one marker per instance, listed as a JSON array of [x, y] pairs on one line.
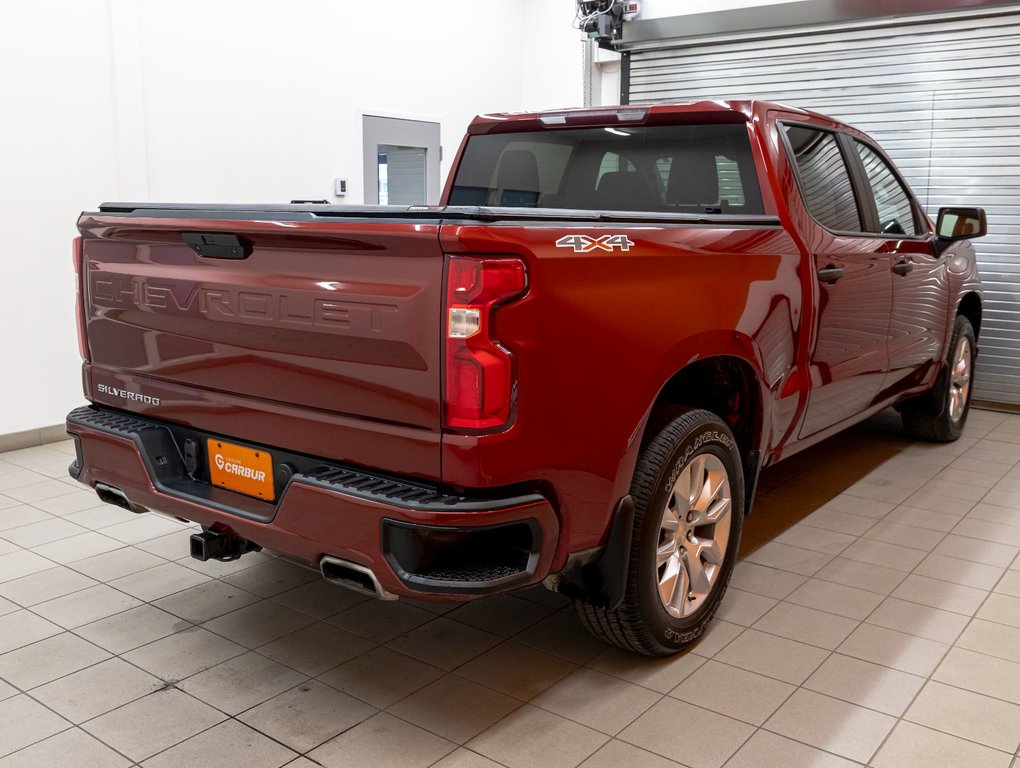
[[693, 177], [517, 179], [626, 191]]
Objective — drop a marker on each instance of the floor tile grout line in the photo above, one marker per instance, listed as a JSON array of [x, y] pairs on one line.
[[385, 644], [836, 652], [661, 697], [996, 622], [529, 702], [27, 693], [255, 650], [72, 630], [174, 685], [588, 663], [120, 655], [763, 729], [935, 668], [72, 727], [759, 727], [84, 529], [859, 623], [70, 492], [928, 677], [71, 565], [468, 749], [227, 718], [106, 583], [68, 564], [953, 735]]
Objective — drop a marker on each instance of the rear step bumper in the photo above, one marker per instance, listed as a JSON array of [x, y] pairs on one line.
[[390, 536]]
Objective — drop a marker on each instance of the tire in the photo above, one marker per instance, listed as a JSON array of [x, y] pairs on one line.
[[695, 450], [952, 394]]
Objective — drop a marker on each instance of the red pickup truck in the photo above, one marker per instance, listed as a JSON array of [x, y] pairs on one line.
[[570, 372]]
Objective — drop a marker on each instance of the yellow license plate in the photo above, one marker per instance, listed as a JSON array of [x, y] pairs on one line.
[[241, 469]]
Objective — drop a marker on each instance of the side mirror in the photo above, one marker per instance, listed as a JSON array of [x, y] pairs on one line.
[[961, 223]]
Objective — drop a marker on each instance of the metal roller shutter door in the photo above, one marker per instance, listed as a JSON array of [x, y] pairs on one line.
[[942, 98]]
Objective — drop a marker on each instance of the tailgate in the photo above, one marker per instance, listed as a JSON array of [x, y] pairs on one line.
[[332, 322]]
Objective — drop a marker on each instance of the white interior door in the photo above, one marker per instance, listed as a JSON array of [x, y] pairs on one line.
[[401, 161]]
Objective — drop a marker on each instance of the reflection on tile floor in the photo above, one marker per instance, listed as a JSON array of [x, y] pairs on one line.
[[873, 620]]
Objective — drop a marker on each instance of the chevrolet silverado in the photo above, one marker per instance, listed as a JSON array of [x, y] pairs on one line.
[[570, 372]]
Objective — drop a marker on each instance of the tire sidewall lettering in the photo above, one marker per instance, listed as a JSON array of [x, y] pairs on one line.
[[710, 435]]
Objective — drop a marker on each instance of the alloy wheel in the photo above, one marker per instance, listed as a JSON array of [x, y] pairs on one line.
[[693, 535], [959, 379]]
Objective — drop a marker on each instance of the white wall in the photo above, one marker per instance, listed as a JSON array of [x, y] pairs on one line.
[[255, 106], [223, 101], [57, 156], [551, 55]]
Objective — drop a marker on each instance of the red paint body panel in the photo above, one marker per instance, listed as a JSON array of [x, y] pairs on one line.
[[327, 341], [598, 336]]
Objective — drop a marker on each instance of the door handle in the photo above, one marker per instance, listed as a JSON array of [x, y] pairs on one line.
[[903, 267], [830, 274]]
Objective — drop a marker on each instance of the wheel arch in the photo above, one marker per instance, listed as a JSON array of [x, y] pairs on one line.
[[727, 384], [970, 307], [731, 387]]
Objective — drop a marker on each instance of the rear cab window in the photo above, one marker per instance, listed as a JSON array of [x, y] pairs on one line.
[[698, 169]]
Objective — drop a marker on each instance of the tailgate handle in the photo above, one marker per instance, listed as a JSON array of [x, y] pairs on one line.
[[217, 245]]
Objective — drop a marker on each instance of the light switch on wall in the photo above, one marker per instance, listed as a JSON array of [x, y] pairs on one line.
[[339, 187]]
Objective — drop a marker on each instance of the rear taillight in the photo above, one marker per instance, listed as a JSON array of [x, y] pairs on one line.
[[478, 391], [79, 300]]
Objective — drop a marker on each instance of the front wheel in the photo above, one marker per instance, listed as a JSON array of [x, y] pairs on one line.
[[952, 399], [688, 492]]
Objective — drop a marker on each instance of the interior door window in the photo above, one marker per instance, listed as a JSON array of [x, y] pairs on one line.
[[824, 178], [896, 214], [401, 175]]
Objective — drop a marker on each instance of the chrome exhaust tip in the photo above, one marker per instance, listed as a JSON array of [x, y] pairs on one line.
[[353, 576], [115, 496]]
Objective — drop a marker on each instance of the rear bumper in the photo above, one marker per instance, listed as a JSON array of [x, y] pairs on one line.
[[418, 540]]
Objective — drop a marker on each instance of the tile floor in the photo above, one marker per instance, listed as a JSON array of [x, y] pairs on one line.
[[874, 619]]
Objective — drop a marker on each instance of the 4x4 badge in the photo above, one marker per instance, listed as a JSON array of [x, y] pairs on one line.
[[584, 243]]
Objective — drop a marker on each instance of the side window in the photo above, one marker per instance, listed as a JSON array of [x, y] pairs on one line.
[[825, 180], [896, 214]]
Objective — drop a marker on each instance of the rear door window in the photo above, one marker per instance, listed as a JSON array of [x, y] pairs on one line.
[[704, 169], [824, 178], [896, 212]]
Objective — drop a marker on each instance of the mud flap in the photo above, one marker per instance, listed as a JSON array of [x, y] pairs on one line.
[[599, 575]]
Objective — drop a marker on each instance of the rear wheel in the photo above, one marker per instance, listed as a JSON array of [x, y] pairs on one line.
[[952, 400], [688, 495]]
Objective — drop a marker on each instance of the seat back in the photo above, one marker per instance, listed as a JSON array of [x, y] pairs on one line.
[[626, 191], [693, 179], [517, 179]]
